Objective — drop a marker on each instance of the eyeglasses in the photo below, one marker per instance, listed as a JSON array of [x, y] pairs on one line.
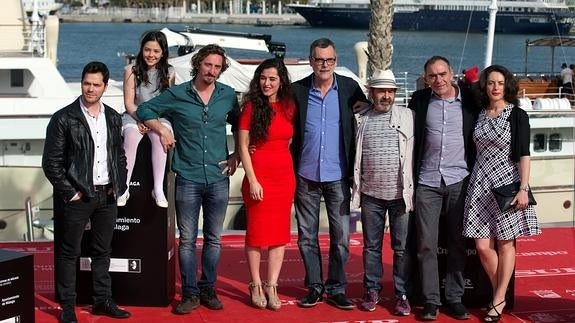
[[321, 61], [205, 116]]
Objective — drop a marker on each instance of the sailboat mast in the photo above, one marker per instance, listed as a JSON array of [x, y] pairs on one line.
[[490, 32]]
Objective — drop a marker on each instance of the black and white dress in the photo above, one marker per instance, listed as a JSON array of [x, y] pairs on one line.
[[493, 168]]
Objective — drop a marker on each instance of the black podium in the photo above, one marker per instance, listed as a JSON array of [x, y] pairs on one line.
[[16, 287], [143, 248]]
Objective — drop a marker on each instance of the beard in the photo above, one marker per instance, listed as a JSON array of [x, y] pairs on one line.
[[382, 105]]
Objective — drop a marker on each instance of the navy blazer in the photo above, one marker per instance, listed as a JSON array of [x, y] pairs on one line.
[[349, 93], [419, 103]]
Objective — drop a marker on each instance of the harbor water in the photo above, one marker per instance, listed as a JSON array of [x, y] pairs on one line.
[[80, 43]]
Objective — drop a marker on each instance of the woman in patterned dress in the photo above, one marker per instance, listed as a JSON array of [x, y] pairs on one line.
[[268, 188], [501, 136], [146, 78]]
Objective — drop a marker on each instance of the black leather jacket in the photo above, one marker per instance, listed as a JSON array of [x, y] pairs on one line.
[[68, 157]]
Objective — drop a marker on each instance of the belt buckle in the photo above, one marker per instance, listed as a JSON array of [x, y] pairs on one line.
[[101, 188]]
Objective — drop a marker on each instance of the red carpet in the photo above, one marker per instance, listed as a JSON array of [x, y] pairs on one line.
[[544, 292]]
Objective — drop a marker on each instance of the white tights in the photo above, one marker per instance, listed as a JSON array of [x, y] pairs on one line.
[[132, 139]]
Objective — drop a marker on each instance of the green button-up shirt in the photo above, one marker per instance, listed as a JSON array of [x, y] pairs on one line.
[[199, 129]]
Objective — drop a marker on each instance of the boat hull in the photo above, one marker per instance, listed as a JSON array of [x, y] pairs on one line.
[[438, 20]]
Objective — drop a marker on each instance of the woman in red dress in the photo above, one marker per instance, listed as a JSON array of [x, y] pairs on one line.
[[268, 187]]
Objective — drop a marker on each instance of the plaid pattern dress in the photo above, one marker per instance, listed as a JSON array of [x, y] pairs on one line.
[[493, 168]]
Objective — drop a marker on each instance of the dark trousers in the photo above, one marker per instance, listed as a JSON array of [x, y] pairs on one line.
[[69, 227], [430, 203]]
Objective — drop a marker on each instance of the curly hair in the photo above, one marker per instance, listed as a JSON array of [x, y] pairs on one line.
[[205, 52], [140, 68], [262, 112], [511, 86]]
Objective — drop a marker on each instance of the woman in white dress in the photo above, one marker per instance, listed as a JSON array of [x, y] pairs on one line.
[[146, 78]]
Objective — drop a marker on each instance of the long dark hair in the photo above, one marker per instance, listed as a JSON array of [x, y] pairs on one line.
[[141, 68], [262, 112], [511, 87]]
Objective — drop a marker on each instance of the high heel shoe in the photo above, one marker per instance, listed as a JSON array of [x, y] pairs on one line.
[[257, 295], [274, 303], [493, 318], [160, 200], [123, 199]]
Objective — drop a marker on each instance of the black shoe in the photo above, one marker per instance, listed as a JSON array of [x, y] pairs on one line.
[[458, 311], [187, 305], [340, 301], [494, 317], [429, 312], [209, 299], [311, 298], [68, 315], [109, 308]]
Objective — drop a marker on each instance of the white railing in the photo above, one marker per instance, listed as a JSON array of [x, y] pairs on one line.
[[23, 39]]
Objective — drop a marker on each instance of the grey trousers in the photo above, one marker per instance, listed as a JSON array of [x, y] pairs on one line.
[[430, 204]]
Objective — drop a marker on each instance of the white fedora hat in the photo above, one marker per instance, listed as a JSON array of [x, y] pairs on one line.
[[383, 79]]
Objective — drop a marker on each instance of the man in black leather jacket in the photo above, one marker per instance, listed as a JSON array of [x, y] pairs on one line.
[[85, 162]]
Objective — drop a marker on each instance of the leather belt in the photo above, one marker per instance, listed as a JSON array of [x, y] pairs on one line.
[[100, 188]]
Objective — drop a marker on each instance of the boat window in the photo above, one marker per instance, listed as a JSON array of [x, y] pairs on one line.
[[539, 142], [555, 142], [17, 78]]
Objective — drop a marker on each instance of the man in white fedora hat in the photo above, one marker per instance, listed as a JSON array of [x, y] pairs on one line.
[[383, 184]]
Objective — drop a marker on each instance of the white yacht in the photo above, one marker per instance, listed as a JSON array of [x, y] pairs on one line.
[[45, 7], [31, 90], [552, 120]]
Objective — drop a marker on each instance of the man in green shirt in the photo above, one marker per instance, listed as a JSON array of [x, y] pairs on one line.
[[198, 111]]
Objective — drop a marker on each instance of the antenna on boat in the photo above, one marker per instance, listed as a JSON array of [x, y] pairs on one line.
[[490, 33]]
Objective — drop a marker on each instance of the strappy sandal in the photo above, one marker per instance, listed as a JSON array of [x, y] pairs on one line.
[[490, 317], [257, 295], [274, 303]]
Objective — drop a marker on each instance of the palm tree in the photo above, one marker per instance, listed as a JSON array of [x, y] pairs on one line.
[[379, 46]]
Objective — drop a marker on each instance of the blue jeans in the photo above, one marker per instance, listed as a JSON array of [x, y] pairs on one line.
[[307, 204], [213, 198], [430, 204], [373, 213]]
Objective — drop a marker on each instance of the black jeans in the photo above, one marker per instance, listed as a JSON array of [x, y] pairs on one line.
[[69, 227]]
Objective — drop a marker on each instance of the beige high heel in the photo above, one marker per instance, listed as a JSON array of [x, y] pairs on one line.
[[257, 295], [274, 303]]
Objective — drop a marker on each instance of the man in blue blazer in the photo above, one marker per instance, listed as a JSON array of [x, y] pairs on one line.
[[323, 150]]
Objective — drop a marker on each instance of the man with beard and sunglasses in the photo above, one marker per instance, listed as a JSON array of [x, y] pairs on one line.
[[323, 150], [383, 184], [198, 111]]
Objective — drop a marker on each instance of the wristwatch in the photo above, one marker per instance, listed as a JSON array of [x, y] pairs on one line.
[[525, 188]]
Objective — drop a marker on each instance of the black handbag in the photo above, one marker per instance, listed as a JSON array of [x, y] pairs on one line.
[[505, 194]]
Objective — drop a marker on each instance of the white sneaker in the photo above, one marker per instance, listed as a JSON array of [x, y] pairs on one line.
[[123, 199], [160, 200]]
